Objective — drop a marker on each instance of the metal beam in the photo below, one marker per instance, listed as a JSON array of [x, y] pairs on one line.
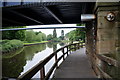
[[42, 28], [22, 15], [13, 21], [51, 13]]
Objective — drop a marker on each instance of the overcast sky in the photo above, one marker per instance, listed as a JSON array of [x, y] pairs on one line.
[[50, 31]]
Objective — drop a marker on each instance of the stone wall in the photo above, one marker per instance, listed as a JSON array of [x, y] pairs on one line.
[[108, 34], [103, 37]]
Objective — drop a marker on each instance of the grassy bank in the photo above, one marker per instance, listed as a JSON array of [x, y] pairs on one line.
[[26, 44], [65, 41], [10, 45]]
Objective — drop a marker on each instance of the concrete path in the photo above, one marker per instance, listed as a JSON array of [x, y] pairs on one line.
[[76, 65]]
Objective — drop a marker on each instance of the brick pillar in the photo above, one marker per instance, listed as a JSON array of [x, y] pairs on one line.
[[108, 35], [90, 43]]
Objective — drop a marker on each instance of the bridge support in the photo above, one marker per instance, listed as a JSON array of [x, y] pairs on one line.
[[103, 37]]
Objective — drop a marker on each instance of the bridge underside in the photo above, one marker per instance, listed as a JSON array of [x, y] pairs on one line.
[[45, 13], [102, 35]]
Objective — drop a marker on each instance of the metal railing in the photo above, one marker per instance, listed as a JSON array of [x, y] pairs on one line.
[[41, 65]]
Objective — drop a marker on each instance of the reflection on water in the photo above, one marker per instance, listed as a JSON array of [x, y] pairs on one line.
[[15, 65], [61, 44], [12, 67]]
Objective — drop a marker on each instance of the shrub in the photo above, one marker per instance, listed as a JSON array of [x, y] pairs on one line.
[[9, 45]]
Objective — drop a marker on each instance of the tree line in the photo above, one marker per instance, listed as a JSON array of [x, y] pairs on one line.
[[31, 36], [24, 35], [77, 34]]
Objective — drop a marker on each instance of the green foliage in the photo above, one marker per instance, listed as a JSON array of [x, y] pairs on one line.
[[56, 39], [76, 35], [80, 34], [71, 35], [30, 36], [44, 37], [80, 25], [54, 33], [17, 34], [8, 45], [38, 32], [49, 37], [38, 37], [20, 35], [62, 35]]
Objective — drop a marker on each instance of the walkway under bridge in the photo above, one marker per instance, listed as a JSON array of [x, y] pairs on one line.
[[76, 65], [102, 34]]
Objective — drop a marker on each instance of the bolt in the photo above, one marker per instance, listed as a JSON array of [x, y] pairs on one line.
[[110, 16]]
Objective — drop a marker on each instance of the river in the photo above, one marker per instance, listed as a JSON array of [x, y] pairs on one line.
[[18, 62]]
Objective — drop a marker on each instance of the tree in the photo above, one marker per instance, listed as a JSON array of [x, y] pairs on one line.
[[49, 37], [76, 35], [55, 39], [72, 35], [80, 34], [38, 32], [17, 34], [38, 37], [20, 35], [54, 33], [43, 37], [62, 35], [30, 36]]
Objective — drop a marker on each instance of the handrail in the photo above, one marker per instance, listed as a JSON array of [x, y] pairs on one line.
[[104, 74], [109, 61], [40, 66]]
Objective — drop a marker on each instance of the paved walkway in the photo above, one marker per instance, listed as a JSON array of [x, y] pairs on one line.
[[76, 65]]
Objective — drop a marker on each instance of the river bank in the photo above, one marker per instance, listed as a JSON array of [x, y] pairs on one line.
[[35, 43], [7, 46], [23, 60]]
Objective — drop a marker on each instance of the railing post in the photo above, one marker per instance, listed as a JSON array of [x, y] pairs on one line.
[[70, 49], [56, 60], [78, 45], [82, 44], [42, 73], [63, 53], [67, 50], [75, 46]]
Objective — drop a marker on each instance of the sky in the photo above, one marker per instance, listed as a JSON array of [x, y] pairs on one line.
[[50, 31]]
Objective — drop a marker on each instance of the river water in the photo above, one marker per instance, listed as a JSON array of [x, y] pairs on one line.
[[18, 62]]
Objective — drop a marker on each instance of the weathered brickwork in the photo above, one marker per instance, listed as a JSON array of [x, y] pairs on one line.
[[103, 37]]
